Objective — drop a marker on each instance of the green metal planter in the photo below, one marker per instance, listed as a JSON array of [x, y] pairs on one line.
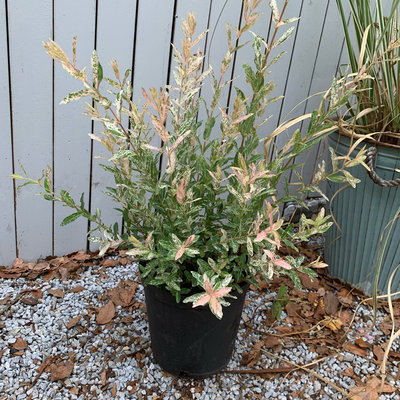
[[362, 215]]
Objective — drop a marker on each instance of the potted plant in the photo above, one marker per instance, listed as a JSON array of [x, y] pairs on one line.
[[373, 117], [206, 224]]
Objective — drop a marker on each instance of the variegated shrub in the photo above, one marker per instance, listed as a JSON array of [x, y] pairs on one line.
[[209, 217]]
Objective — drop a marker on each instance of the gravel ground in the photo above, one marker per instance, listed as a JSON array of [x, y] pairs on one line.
[[115, 360]]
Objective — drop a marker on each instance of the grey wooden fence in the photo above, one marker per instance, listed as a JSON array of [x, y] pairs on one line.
[[37, 131]]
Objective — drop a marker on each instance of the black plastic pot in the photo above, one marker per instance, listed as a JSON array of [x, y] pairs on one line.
[[191, 341]]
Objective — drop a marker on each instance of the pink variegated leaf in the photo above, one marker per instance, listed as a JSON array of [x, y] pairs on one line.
[[242, 118], [160, 129], [202, 301], [180, 193], [270, 254], [216, 307], [148, 100], [189, 241], [180, 252], [222, 292], [179, 140], [282, 263], [207, 285], [261, 236]]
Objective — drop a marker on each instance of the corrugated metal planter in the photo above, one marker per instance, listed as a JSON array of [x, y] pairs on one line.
[[362, 215]]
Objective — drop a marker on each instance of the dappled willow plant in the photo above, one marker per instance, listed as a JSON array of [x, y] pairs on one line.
[[209, 217]]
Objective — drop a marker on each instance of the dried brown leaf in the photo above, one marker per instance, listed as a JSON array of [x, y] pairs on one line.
[[106, 313], [123, 294], [56, 293], [60, 370], [379, 353], [80, 256], [331, 303], [73, 321], [358, 351], [114, 390], [77, 289], [362, 343], [109, 262], [20, 344], [5, 300], [271, 341], [29, 300]]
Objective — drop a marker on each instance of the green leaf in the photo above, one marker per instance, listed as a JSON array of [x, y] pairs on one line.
[[46, 185], [208, 128], [70, 218], [249, 247], [75, 96]]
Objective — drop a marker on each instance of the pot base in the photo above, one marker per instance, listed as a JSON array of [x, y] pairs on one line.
[[189, 341]]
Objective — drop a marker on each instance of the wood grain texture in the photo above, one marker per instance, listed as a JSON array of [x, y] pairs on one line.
[[71, 127], [31, 80], [7, 225]]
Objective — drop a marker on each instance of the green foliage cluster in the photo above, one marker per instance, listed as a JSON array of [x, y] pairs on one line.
[[212, 210]]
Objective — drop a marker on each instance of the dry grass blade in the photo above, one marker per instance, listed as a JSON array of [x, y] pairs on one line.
[[394, 335]]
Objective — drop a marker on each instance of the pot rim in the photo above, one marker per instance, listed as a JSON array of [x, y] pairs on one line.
[[353, 135]]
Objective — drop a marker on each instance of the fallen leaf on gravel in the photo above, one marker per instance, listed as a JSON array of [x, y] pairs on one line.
[[109, 262], [103, 377], [60, 370], [1, 354], [349, 372], [331, 303], [127, 320], [73, 321], [20, 344], [106, 313], [123, 294], [57, 293], [80, 256], [379, 353], [114, 390], [74, 391], [37, 293], [371, 390], [293, 309], [271, 341], [29, 300], [361, 343], [345, 316], [334, 324], [358, 351], [250, 358], [307, 283], [77, 289], [5, 300]]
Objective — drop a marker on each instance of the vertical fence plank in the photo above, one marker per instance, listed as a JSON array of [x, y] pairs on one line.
[[152, 45], [31, 80], [115, 40], [71, 127], [301, 71], [7, 225]]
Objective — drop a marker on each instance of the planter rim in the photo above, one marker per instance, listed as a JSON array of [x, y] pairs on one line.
[[342, 132], [165, 296]]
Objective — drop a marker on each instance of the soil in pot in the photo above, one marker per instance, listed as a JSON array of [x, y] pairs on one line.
[[191, 341]]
